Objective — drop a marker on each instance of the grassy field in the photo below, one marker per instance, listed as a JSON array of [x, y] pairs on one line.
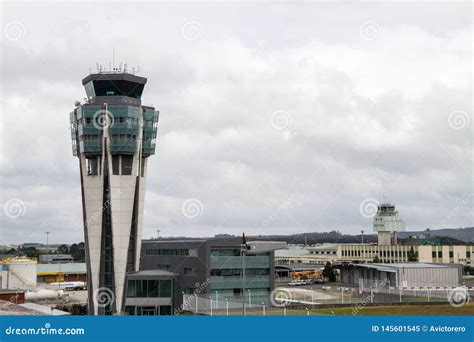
[[380, 311]]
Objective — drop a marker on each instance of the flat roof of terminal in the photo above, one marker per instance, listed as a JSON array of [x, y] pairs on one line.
[[395, 266]]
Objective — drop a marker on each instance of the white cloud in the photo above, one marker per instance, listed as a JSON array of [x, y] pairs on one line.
[[368, 118]]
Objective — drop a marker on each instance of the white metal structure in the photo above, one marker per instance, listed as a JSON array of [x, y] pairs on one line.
[[18, 273]]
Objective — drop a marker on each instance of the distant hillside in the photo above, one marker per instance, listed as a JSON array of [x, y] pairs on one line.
[[465, 235], [317, 238], [454, 236]]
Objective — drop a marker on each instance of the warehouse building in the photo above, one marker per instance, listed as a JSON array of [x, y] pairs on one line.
[[52, 273], [403, 275]]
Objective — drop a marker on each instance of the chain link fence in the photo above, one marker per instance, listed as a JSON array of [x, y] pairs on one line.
[[284, 298]]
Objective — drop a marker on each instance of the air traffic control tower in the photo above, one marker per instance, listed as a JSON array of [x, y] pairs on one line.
[[113, 135]]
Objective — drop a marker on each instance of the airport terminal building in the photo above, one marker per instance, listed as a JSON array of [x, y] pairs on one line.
[[212, 268]]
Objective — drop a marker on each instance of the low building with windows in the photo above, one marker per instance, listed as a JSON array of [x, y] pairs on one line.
[[150, 293], [319, 255], [57, 272], [447, 254], [215, 268], [362, 253]]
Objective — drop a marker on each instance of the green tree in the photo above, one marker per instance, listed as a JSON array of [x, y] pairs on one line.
[[32, 252], [78, 252], [63, 249], [412, 255], [329, 273]]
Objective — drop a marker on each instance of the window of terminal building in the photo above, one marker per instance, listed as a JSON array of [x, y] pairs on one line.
[[468, 254], [440, 254], [237, 292], [225, 252], [149, 288], [188, 290], [191, 272], [433, 254], [451, 254], [167, 252]]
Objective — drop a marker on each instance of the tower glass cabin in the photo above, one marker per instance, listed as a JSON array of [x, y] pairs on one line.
[[113, 135], [387, 219]]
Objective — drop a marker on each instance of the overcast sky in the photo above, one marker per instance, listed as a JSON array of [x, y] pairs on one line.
[[274, 118]]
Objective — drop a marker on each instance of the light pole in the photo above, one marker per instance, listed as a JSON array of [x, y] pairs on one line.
[[227, 306], [210, 298], [184, 301], [217, 300], [263, 306], [47, 240], [362, 236], [250, 298], [157, 234]]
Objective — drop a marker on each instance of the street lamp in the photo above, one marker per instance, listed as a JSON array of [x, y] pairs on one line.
[[250, 298], [217, 300], [227, 306], [263, 306]]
